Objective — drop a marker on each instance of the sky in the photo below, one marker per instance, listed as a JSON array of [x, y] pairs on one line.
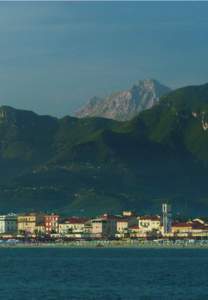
[[55, 56]]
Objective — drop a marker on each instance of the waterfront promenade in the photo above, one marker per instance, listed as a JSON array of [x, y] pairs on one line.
[[109, 244]]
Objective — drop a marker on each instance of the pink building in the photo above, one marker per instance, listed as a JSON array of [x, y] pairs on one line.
[[51, 223]]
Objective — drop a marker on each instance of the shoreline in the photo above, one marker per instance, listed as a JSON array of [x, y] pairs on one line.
[[107, 245]]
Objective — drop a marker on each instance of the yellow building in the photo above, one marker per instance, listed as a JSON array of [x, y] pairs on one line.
[[122, 225], [179, 228], [149, 223], [27, 223]]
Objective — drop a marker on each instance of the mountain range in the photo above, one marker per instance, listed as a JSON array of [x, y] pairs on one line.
[[125, 105], [91, 165]]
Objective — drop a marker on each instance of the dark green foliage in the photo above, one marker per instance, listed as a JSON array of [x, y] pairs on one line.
[[91, 165]]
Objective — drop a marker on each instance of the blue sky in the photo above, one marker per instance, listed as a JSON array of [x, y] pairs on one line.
[[54, 56]]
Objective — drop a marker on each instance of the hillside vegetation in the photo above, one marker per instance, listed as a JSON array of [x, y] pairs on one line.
[[90, 165]]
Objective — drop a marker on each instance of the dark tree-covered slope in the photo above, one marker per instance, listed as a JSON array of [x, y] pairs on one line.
[[93, 164]]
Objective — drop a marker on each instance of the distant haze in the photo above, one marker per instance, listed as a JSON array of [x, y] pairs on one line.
[[54, 56]]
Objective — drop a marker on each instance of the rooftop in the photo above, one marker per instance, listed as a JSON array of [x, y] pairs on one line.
[[151, 218], [134, 227], [181, 224], [77, 220]]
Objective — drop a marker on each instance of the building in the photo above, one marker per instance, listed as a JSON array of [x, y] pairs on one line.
[[51, 223], [73, 225], [191, 229], [199, 221], [131, 217], [104, 227], [26, 223], [40, 229], [122, 225], [65, 228], [166, 218], [149, 223], [135, 232], [199, 229], [8, 224], [128, 213], [181, 227]]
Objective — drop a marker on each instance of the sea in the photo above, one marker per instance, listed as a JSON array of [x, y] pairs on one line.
[[103, 273]]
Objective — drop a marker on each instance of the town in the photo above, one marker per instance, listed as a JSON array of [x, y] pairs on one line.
[[38, 227]]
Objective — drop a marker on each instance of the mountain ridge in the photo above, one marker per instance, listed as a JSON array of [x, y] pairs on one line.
[[94, 164], [124, 105]]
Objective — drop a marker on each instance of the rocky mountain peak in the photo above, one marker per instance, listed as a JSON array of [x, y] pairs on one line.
[[124, 105]]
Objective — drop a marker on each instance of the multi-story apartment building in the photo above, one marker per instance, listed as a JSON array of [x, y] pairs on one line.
[[181, 228], [122, 225], [104, 227], [73, 225], [27, 223], [8, 223], [51, 223], [149, 223]]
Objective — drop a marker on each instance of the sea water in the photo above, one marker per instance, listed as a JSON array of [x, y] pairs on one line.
[[103, 274]]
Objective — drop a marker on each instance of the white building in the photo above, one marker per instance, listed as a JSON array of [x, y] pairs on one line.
[[73, 225], [128, 213], [8, 223]]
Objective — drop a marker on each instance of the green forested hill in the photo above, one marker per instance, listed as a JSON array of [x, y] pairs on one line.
[[89, 165]]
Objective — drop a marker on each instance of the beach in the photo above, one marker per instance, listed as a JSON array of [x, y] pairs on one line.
[[110, 244]]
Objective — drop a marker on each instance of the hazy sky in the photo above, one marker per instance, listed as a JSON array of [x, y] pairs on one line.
[[55, 56]]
